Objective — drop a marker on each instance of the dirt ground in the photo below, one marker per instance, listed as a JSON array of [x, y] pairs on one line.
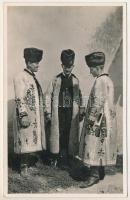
[[44, 179]]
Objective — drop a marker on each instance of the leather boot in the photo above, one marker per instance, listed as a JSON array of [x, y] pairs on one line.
[[101, 172]]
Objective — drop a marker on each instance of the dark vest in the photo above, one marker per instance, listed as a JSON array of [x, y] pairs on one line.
[[66, 92]]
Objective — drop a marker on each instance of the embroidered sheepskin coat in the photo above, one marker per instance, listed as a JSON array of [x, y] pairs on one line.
[[98, 144], [51, 106], [28, 102]]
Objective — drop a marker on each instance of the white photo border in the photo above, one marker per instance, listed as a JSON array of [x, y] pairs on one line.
[[125, 98]]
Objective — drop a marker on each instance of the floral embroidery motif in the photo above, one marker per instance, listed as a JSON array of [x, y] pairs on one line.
[[113, 114], [22, 114], [35, 123], [19, 141], [102, 140], [101, 152], [30, 98], [97, 131], [34, 137], [103, 129], [18, 102], [26, 141]]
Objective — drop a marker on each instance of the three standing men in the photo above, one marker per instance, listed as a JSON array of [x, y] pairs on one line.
[[63, 108]]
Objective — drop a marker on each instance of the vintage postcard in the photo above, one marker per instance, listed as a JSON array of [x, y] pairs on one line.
[[65, 94]]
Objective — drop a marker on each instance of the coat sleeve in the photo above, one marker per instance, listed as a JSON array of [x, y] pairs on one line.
[[48, 98], [99, 97], [20, 89], [82, 103]]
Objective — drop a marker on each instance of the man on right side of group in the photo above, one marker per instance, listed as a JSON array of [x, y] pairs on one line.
[[98, 145]]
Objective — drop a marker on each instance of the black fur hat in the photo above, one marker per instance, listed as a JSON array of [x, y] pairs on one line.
[[33, 55], [67, 57], [95, 59]]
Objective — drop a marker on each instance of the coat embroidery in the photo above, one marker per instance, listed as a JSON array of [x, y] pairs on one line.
[[18, 102], [101, 152], [19, 141], [113, 114], [35, 123], [34, 137], [26, 141], [30, 98], [103, 128]]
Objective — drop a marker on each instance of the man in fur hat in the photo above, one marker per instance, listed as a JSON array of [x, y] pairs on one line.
[[63, 109], [29, 134], [98, 146]]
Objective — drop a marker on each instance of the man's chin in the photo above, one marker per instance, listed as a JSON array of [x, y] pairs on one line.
[[36, 70], [67, 74]]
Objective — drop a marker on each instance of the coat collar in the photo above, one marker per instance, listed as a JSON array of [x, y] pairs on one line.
[[67, 76], [29, 72], [103, 74]]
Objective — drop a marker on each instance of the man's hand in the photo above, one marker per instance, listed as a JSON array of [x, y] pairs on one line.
[[81, 113], [91, 121], [24, 122], [81, 116], [48, 117]]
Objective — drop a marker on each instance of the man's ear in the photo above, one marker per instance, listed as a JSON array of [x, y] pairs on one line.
[[98, 68], [72, 67], [28, 63]]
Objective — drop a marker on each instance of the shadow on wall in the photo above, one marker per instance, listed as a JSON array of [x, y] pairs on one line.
[[116, 74], [108, 36]]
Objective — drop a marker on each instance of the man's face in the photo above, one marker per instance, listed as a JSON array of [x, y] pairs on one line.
[[67, 69], [94, 71], [33, 67]]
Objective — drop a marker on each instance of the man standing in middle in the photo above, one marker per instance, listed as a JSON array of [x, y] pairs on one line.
[[64, 110]]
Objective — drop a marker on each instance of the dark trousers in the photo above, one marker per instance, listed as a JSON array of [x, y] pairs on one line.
[[101, 171], [65, 117], [98, 171], [27, 159]]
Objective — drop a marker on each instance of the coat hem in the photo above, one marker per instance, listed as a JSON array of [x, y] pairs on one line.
[[32, 151], [108, 163]]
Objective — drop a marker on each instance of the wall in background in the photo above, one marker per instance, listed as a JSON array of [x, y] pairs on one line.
[[83, 29]]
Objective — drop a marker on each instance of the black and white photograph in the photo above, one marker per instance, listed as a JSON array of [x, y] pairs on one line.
[[65, 73]]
